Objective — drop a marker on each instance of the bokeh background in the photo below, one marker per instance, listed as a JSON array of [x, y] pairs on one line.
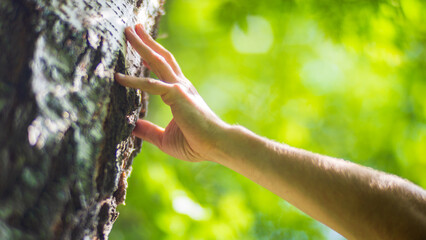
[[342, 78]]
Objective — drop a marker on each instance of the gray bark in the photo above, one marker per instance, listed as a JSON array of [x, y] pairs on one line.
[[66, 148]]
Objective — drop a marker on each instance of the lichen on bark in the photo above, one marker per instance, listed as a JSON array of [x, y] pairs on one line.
[[66, 147]]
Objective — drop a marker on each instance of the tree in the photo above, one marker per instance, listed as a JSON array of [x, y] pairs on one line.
[[66, 148]]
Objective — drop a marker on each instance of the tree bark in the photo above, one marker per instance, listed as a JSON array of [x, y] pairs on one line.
[[66, 148]]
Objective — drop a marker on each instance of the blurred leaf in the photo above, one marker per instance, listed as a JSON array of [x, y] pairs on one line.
[[342, 78]]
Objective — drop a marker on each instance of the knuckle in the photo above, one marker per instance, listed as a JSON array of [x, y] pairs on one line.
[[150, 81], [158, 58], [175, 92], [178, 89], [167, 55]]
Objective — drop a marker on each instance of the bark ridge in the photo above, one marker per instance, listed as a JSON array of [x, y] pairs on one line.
[[65, 145]]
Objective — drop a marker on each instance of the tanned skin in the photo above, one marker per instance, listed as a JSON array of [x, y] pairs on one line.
[[356, 201]]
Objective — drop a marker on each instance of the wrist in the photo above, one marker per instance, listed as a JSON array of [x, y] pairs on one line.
[[219, 133], [228, 141]]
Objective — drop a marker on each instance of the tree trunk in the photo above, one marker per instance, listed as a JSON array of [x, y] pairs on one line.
[[65, 141]]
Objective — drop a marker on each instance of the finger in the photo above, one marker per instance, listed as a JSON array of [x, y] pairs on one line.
[[154, 45], [149, 85], [146, 64], [149, 132], [157, 63]]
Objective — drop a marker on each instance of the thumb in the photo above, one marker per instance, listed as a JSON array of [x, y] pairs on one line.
[[150, 132]]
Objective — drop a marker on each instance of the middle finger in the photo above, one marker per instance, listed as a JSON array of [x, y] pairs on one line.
[[157, 63]]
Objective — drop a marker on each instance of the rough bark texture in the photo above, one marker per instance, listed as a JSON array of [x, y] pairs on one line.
[[65, 143]]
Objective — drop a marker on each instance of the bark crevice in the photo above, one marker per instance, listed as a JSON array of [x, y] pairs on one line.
[[66, 147]]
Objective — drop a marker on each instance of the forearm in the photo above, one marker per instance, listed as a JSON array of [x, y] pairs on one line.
[[356, 201]]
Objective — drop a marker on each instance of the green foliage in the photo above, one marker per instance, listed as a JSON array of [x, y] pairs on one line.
[[342, 78]]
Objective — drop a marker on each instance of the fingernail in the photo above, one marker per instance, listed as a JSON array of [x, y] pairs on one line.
[[140, 26], [119, 75], [130, 30]]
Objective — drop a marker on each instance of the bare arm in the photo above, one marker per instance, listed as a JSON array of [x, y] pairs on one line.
[[356, 201]]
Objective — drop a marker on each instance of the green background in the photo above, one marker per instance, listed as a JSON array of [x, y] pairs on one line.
[[342, 78]]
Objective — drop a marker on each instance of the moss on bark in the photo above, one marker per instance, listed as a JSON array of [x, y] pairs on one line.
[[65, 146]]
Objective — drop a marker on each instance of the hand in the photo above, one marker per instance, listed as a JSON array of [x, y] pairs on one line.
[[193, 132]]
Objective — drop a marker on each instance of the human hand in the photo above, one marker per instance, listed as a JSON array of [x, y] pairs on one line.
[[193, 132]]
